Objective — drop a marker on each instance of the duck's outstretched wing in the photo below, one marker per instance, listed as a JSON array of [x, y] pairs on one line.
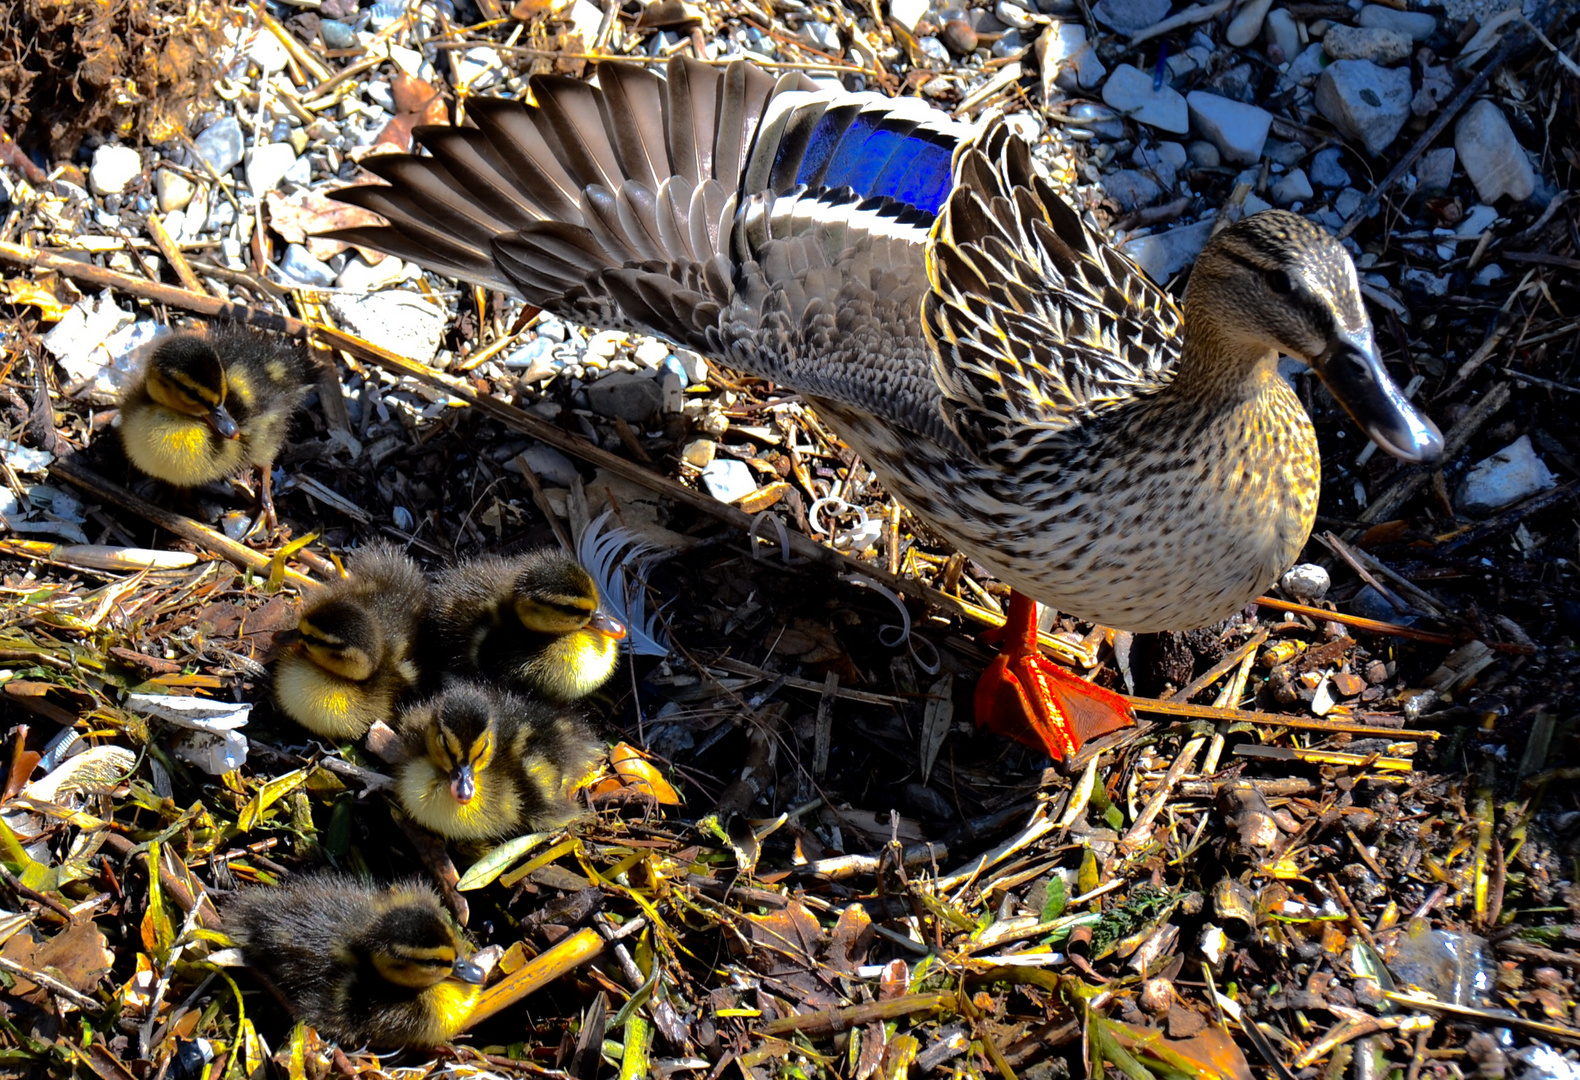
[[767, 222], [1035, 322]]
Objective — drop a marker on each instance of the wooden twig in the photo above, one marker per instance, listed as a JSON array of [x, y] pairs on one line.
[[1247, 716], [184, 527]]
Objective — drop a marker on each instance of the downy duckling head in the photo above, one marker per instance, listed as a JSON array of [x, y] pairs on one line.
[[185, 375], [342, 638], [556, 597], [412, 944], [462, 738]]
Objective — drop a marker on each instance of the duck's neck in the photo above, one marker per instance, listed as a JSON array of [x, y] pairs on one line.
[[1216, 367]]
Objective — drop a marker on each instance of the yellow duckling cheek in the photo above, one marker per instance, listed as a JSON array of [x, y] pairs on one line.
[[319, 701], [450, 1005]]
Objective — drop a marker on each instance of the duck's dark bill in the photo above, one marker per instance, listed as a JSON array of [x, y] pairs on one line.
[[468, 972], [1354, 371]]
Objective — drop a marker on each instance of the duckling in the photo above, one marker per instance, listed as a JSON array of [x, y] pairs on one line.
[[531, 621], [485, 764], [364, 964], [353, 653], [209, 405]]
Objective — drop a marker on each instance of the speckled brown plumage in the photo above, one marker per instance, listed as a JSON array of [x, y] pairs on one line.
[[1015, 382]]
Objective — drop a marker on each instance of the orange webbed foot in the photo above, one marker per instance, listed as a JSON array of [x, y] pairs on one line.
[[1027, 697]]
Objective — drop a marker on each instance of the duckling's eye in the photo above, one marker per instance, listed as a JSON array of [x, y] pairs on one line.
[[1278, 281]]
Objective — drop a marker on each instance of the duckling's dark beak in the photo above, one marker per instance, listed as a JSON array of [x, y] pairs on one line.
[[221, 421], [467, 972], [1353, 369], [463, 784], [606, 625]]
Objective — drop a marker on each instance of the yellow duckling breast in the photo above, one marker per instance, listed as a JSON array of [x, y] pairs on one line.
[[447, 1007], [323, 702], [424, 793], [574, 666], [177, 448]]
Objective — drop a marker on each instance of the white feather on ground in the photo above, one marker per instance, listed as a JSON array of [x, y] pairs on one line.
[[619, 560]]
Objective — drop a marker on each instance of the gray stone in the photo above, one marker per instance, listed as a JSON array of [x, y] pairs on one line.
[[1163, 160], [1367, 103], [1128, 16], [113, 168], [1435, 170], [1281, 152], [337, 35], [1203, 154], [1131, 189], [406, 323], [1347, 202], [1162, 255], [221, 145], [1304, 67], [301, 268], [1247, 22], [173, 190], [728, 479], [1326, 170], [1283, 35], [1065, 50], [1366, 43], [1503, 479], [1416, 25], [1100, 120], [632, 397], [266, 165], [358, 275], [1292, 188], [1306, 582], [1129, 90], [1425, 281], [1494, 159], [1236, 129], [699, 453], [268, 53], [1477, 220], [551, 466], [908, 13], [1237, 83]]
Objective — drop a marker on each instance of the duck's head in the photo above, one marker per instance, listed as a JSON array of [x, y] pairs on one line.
[[461, 738], [412, 943], [186, 376], [555, 596], [342, 638], [1275, 281]]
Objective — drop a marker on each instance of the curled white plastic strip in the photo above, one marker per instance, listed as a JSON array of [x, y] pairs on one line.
[[895, 636]]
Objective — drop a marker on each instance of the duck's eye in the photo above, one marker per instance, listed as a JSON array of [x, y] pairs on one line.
[[1278, 281]]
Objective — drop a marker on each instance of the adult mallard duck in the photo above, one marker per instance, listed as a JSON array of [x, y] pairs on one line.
[[1017, 384]]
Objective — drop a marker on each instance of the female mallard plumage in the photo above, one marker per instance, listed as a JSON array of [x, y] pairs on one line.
[[483, 764], [353, 654], [530, 621], [365, 965], [1017, 384], [207, 405]]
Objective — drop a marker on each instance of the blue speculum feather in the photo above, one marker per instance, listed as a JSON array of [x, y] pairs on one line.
[[876, 157], [860, 142], [820, 146], [926, 184]]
